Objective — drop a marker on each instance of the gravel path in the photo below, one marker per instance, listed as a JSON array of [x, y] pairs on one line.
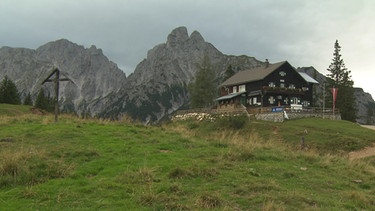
[[366, 152]]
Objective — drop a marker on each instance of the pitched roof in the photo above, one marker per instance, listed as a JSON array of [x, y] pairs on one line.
[[250, 75], [308, 78]]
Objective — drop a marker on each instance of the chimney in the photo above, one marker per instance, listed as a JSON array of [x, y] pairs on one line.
[[267, 63]]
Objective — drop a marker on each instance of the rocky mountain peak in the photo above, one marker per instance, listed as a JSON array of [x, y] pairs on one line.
[[178, 35], [196, 37]]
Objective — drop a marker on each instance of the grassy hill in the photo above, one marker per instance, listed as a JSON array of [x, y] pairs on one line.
[[14, 110], [94, 164]]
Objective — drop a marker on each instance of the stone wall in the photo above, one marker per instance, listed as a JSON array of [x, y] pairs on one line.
[[280, 116], [201, 114], [270, 117]]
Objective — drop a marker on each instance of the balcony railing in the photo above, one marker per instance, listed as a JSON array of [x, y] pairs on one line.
[[283, 90]]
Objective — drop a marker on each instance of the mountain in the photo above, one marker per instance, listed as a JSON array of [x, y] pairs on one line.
[[93, 75], [158, 86]]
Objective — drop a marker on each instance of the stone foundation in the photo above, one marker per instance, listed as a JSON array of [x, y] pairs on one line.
[[280, 116]]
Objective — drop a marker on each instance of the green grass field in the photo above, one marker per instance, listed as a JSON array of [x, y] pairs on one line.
[[95, 164], [14, 110]]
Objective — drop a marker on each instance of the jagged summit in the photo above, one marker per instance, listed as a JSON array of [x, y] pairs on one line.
[[196, 37], [180, 35], [177, 36]]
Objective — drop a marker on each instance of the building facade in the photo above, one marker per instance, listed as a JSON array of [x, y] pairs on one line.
[[272, 85]]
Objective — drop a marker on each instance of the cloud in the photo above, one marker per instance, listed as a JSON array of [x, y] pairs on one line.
[[302, 32]]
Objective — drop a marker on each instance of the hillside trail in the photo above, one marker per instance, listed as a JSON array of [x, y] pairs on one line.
[[366, 152]]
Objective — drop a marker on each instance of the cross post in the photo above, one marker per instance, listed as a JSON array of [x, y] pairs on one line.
[[56, 81]]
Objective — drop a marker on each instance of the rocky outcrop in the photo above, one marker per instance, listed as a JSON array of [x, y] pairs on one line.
[[365, 106], [93, 75]]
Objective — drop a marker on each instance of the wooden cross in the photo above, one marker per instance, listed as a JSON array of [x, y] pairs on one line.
[[56, 80]]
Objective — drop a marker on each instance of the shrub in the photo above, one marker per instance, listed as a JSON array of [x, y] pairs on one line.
[[232, 122]]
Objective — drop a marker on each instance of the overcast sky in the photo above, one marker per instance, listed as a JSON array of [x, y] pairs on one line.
[[300, 31]]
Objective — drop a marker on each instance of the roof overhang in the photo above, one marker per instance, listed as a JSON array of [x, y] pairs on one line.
[[229, 96], [255, 93], [308, 78]]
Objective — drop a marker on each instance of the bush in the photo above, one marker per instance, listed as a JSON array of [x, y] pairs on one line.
[[232, 122], [8, 92]]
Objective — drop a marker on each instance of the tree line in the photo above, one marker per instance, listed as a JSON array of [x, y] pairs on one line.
[[9, 94]]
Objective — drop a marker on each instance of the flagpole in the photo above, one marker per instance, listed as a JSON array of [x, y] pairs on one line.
[[324, 97], [334, 101]]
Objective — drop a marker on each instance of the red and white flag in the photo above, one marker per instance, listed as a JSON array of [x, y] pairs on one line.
[[334, 95]]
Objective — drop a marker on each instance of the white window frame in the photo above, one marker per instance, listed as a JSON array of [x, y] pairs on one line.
[[242, 88]]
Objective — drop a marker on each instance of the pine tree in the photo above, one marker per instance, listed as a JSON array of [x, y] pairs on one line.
[[8, 92], [44, 102], [28, 100], [341, 79], [203, 89], [229, 72]]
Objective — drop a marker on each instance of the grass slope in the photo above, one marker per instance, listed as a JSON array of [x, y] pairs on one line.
[[14, 110], [86, 164]]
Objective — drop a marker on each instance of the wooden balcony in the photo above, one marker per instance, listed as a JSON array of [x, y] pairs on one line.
[[283, 90]]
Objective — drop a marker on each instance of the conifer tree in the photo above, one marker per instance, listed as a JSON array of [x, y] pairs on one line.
[[341, 78], [203, 89], [28, 100], [229, 72], [8, 92], [44, 102]]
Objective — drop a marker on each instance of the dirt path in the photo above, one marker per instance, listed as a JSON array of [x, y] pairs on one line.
[[366, 152]]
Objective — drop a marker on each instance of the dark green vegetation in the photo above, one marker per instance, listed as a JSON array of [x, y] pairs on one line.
[[8, 92], [340, 77], [187, 165], [203, 89], [45, 102]]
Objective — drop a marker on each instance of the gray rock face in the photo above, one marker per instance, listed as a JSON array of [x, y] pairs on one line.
[[159, 83], [365, 105], [93, 75]]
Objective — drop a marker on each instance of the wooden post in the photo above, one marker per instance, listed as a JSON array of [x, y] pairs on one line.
[[57, 85], [56, 80]]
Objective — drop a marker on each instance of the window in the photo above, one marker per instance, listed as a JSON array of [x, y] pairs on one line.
[[242, 88], [291, 86], [295, 100], [305, 88], [271, 99], [255, 100], [271, 84], [235, 89], [282, 85]]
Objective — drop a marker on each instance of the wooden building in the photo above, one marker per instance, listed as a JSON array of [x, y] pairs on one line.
[[272, 85]]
